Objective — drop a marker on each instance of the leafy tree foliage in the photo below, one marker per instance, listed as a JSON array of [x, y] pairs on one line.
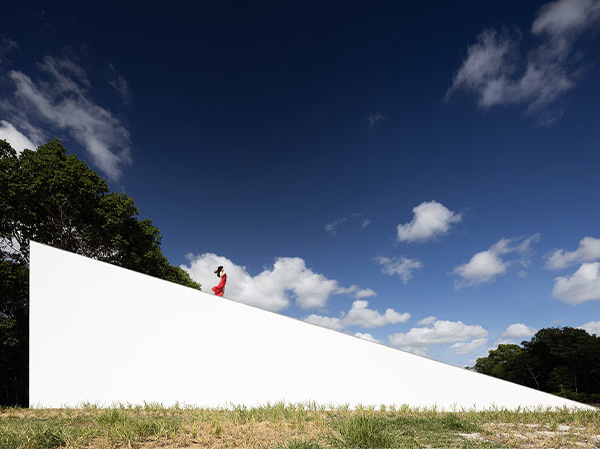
[[564, 361], [56, 199]]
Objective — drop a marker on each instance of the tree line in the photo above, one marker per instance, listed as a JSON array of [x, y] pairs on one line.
[[564, 361], [54, 198]]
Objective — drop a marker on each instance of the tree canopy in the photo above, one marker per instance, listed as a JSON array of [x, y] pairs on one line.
[[564, 361], [54, 198]]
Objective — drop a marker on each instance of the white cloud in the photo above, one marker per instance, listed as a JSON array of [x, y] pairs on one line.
[[332, 227], [17, 140], [325, 321], [583, 285], [482, 267], [518, 330], [430, 220], [593, 327], [366, 336], [496, 73], [360, 315], [563, 18], [62, 100], [588, 251], [427, 321], [486, 265], [418, 339], [270, 289], [363, 292], [468, 347], [401, 266]]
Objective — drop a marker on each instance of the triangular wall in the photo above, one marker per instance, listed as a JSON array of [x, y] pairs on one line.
[[103, 334]]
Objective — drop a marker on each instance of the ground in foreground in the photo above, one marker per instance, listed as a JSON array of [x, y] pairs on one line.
[[294, 427]]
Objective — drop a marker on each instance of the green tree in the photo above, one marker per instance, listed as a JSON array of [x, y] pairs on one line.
[[508, 362], [56, 199], [567, 357], [556, 360]]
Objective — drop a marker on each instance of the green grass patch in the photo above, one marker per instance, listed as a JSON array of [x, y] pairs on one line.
[[293, 426]]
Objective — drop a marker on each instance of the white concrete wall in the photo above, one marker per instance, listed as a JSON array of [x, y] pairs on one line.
[[103, 334]]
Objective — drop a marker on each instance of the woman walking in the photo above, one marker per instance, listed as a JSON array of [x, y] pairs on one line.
[[220, 289]]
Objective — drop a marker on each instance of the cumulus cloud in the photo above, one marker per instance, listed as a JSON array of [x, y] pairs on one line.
[[356, 291], [366, 336], [272, 288], [468, 347], [325, 321], [17, 140], [593, 327], [61, 99], [482, 267], [486, 265], [496, 72], [518, 330], [583, 285], [360, 315], [427, 321], [430, 220], [588, 251], [401, 266], [418, 339]]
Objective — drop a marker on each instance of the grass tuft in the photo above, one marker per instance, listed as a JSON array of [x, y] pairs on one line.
[[362, 431], [301, 444]]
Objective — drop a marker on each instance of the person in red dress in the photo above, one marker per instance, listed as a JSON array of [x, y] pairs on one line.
[[220, 289]]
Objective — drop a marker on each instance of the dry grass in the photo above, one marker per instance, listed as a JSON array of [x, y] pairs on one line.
[[305, 426]]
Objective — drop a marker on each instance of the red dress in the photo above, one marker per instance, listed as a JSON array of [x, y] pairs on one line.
[[219, 289]]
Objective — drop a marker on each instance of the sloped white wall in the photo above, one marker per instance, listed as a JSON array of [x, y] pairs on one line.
[[103, 334]]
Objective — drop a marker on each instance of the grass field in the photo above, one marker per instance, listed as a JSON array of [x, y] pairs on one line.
[[304, 426]]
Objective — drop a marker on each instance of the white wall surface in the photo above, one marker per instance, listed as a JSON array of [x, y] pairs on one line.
[[103, 334]]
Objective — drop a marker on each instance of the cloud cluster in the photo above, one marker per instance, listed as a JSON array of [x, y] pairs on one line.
[[366, 336], [430, 220], [468, 347], [593, 327], [588, 251], [359, 315], [464, 338], [427, 321], [402, 266], [61, 99], [272, 289], [584, 284], [497, 74], [581, 286], [518, 330], [486, 265], [17, 140]]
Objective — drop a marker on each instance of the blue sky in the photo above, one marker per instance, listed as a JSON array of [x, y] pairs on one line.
[[424, 175]]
